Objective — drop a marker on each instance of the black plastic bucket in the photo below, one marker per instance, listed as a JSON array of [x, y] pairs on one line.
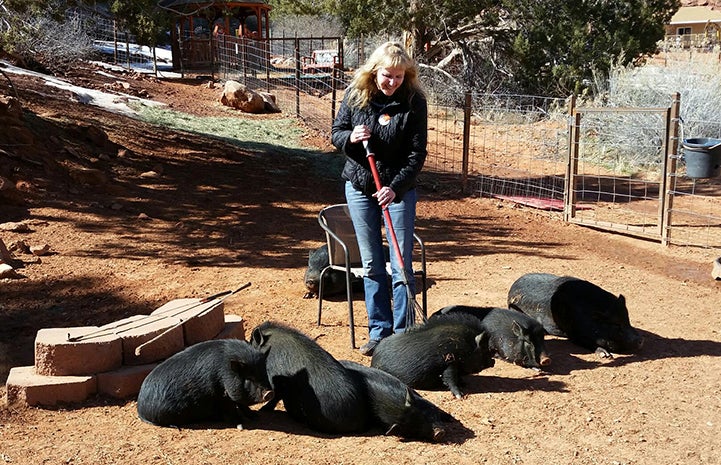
[[703, 157]]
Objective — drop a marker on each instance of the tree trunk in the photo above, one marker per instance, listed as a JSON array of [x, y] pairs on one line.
[[412, 37]]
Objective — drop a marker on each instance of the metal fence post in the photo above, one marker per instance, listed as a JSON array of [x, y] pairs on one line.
[[334, 77], [115, 43], [569, 192], [297, 77], [127, 50], [466, 140]]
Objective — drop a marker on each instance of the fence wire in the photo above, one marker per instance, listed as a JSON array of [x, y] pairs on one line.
[[695, 210], [617, 169], [512, 147]]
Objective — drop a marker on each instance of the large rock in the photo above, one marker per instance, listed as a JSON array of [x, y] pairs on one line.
[[271, 105], [239, 96]]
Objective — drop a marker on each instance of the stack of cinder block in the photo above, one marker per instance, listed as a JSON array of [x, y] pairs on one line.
[[72, 364]]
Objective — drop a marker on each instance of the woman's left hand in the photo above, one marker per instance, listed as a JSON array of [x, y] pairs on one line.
[[385, 196]]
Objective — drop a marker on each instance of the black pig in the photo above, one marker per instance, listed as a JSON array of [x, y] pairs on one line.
[[435, 354], [513, 336], [399, 408], [315, 388], [579, 310], [210, 381], [333, 280]]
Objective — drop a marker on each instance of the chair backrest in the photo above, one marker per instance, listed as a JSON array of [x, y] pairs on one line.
[[337, 219]]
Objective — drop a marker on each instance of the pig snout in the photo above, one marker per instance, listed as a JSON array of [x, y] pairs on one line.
[[312, 286], [545, 360]]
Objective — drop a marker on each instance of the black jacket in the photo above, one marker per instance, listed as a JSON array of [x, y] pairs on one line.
[[399, 146]]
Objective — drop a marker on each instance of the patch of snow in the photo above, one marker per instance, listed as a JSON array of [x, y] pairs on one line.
[[122, 69], [141, 56], [117, 103]]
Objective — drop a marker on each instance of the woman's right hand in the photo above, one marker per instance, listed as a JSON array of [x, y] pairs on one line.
[[359, 134]]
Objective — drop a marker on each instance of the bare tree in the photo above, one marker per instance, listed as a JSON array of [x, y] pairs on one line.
[[40, 40]]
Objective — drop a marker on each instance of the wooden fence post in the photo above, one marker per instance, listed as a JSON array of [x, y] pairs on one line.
[[668, 180]]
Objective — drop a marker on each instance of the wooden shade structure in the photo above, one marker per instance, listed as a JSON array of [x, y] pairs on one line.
[[198, 24]]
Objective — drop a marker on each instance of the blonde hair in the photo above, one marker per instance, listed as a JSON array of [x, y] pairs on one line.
[[389, 55]]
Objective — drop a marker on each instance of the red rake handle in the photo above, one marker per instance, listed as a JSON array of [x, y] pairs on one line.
[[377, 178]]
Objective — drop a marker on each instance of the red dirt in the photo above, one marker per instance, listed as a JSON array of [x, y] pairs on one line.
[[218, 216]]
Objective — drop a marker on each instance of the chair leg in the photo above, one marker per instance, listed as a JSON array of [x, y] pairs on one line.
[[421, 276], [425, 297], [320, 293], [349, 293]]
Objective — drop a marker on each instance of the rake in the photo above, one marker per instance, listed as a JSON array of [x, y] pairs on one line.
[[413, 307]]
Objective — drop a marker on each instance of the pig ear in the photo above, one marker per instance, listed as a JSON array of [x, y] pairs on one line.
[[257, 337], [237, 366], [621, 300], [409, 398], [516, 328], [482, 339]]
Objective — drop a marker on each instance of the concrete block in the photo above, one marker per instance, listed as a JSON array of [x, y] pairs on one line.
[[202, 321], [234, 328], [96, 352], [160, 336], [125, 382], [25, 386]]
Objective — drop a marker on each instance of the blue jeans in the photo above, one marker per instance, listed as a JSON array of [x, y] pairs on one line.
[[384, 317]]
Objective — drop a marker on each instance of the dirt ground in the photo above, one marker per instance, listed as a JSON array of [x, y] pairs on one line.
[[215, 216]]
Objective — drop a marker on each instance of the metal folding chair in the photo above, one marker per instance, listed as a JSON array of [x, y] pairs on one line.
[[344, 256]]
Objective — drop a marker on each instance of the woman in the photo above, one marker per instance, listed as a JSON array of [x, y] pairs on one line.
[[384, 107]]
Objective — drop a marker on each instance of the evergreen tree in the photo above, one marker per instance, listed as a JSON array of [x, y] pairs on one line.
[[558, 46], [142, 18], [538, 46]]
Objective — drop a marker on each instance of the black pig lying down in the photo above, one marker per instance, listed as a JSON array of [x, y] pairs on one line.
[[210, 381], [513, 336], [435, 354], [333, 280], [315, 388], [581, 311], [399, 408]]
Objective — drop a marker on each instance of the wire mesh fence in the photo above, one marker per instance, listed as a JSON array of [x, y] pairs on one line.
[[116, 45], [608, 169], [305, 82], [614, 180], [694, 205]]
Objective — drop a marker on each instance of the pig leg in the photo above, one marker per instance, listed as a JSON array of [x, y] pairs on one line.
[[451, 379], [603, 353], [270, 406], [236, 402]]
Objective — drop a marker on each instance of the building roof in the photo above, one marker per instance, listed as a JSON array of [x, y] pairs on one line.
[[695, 15], [187, 4]]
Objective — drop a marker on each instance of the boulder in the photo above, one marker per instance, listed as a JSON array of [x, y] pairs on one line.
[[239, 96], [271, 106]]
